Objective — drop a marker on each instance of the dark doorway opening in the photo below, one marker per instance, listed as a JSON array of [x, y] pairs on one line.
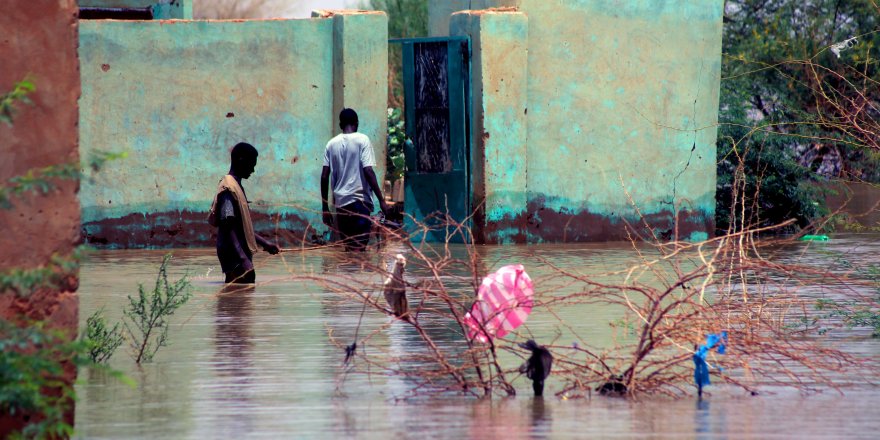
[[90, 13]]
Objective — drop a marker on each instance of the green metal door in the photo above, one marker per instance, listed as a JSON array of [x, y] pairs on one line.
[[436, 80]]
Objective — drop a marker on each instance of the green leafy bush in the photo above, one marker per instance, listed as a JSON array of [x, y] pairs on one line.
[[146, 316], [396, 141], [32, 378], [101, 339], [769, 184]]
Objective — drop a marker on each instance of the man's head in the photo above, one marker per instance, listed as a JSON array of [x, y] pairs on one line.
[[348, 118], [244, 159]]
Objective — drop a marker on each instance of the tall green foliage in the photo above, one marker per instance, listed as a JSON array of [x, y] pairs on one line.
[[785, 92], [758, 170], [406, 18]]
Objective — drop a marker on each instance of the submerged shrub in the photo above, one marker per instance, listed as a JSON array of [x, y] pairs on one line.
[[146, 316], [102, 341]]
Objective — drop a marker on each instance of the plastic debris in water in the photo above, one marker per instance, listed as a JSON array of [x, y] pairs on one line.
[[395, 288], [504, 301], [701, 368], [837, 48], [810, 237]]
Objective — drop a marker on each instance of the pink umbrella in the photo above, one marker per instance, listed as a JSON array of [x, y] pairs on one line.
[[504, 301]]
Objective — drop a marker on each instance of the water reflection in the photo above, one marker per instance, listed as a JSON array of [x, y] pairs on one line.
[[498, 420], [541, 420], [232, 363], [702, 419], [258, 364]]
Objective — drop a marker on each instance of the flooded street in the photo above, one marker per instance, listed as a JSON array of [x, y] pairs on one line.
[[258, 364]]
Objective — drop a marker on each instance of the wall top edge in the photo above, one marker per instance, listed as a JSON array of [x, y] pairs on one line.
[[502, 10], [327, 13], [210, 20]]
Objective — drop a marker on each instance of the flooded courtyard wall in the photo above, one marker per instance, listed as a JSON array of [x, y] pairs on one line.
[[177, 95], [621, 113], [39, 43], [498, 167]]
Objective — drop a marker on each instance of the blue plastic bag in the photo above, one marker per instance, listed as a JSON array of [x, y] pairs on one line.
[[701, 368]]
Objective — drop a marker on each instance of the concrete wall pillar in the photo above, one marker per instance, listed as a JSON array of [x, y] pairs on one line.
[[499, 167], [360, 73]]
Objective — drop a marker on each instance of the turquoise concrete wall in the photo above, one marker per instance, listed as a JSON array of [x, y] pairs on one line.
[[360, 39], [162, 9], [499, 150], [624, 97], [622, 107], [178, 95]]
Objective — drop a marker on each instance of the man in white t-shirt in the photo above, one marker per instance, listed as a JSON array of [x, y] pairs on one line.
[[348, 167]]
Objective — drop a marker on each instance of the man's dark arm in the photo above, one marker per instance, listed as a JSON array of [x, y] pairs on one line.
[[325, 199], [267, 245], [374, 185]]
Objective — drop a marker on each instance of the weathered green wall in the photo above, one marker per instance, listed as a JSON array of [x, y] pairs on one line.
[[360, 42], [162, 9], [499, 42], [177, 95], [622, 106]]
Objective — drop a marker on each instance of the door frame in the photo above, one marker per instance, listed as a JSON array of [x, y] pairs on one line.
[[467, 145]]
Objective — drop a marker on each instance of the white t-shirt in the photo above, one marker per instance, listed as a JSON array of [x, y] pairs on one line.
[[347, 155]]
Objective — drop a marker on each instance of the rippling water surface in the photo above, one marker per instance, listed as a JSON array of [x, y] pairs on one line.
[[258, 364]]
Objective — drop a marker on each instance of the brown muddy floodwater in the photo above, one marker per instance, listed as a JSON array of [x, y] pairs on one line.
[[259, 364]]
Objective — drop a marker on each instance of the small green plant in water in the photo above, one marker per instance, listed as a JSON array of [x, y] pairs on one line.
[[102, 340], [146, 316]]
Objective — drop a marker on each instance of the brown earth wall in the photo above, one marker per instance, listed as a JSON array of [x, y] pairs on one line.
[[39, 42]]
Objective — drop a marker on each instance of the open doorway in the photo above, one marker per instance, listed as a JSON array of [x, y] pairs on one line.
[[436, 86]]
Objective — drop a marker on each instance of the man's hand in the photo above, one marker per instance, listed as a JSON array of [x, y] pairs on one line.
[[384, 207], [327, 217], [271, 248]]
